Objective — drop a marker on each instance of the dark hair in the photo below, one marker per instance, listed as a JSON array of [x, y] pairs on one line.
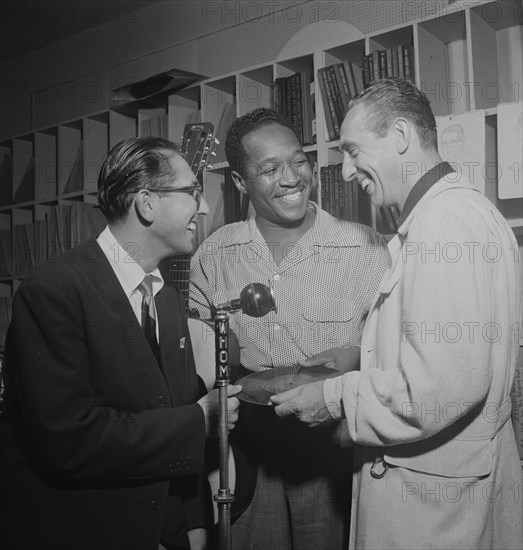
[[234, 150], [390, 98], [133, 164]]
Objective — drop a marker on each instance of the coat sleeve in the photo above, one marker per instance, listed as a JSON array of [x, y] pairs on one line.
[[437, 365], [87, 415]]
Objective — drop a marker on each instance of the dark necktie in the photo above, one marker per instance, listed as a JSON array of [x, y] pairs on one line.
[[149, 314]]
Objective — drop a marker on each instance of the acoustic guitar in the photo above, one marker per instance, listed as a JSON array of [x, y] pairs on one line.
[[198, 142], [197, 149]]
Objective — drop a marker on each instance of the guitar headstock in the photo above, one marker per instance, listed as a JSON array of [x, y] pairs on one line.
[[197, 146]]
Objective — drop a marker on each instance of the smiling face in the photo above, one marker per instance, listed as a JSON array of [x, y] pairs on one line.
[[176, 214], [371, 159], [277, 176]]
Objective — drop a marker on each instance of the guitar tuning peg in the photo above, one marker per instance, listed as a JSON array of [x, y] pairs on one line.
[[213, 154], [217, 141]]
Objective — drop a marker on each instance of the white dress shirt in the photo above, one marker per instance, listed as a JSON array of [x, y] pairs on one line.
[[128, 271]]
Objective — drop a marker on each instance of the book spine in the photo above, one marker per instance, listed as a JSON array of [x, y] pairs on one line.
[[382, 56], [401, 66], [334, 100], [375, 58], [357, 71], [343, 86], [395, 62], [388, 54], [350, 78], [407, 62], [326, 107]]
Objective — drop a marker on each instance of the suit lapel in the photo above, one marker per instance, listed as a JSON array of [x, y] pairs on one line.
[[103, 277]]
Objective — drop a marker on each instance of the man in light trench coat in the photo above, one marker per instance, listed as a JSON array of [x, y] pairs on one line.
[[436, 463]]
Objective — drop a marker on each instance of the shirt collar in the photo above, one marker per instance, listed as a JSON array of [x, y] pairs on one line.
[[128, 271], [323, 231], [422, 186]]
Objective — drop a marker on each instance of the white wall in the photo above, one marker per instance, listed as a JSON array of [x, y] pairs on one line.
[[72, 77]]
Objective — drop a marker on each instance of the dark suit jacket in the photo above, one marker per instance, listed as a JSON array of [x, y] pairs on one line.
[[100, 447]]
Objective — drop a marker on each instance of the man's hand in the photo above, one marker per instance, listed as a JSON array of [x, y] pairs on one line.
[[210, 405], [343, 359], [198, 539], [305, 403]]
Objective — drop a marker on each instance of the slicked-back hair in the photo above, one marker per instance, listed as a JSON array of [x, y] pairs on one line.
[[234, 149], [390, 98], [131, 165]]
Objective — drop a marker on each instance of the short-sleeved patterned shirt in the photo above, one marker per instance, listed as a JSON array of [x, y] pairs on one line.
[[322, 288]]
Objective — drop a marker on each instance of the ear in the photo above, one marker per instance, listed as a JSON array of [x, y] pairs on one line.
[[143, 206], [239, 182], [402, 129]]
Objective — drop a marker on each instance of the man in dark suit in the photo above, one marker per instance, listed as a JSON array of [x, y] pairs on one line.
[[103, 432]]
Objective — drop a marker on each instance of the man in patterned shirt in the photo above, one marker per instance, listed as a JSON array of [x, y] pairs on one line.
[[324, 273]]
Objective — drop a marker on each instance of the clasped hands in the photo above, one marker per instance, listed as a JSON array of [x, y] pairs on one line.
[[307, 402]]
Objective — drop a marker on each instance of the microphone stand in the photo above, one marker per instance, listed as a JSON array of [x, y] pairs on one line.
[[223, 498], [256, 300]]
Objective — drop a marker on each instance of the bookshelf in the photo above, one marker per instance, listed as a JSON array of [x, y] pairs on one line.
[[465, 58]]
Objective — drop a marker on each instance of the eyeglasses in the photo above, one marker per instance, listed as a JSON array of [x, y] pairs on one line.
[[194, 190]]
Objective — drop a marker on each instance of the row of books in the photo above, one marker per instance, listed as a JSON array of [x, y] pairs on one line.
[[31, 244], [344, 200], [338, 83], [348, 201], [293, 100], [395, 61]]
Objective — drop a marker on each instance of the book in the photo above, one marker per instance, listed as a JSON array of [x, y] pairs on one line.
[[307, 99], [408, 67], [351, 81], [376, 65], [358, 77], [382, 56], [337, 95], [395, 62], [297, 102], [331, 89], [343, 86], [401, 66], [329, 124], [388, 53]]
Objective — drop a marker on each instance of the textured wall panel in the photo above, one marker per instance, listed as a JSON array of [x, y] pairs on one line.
[[263, 28]]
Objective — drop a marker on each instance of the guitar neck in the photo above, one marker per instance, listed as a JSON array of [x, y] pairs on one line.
[[196, 146], [179, 269]]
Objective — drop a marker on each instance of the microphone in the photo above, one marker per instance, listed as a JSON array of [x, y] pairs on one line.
[[256, 300]]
